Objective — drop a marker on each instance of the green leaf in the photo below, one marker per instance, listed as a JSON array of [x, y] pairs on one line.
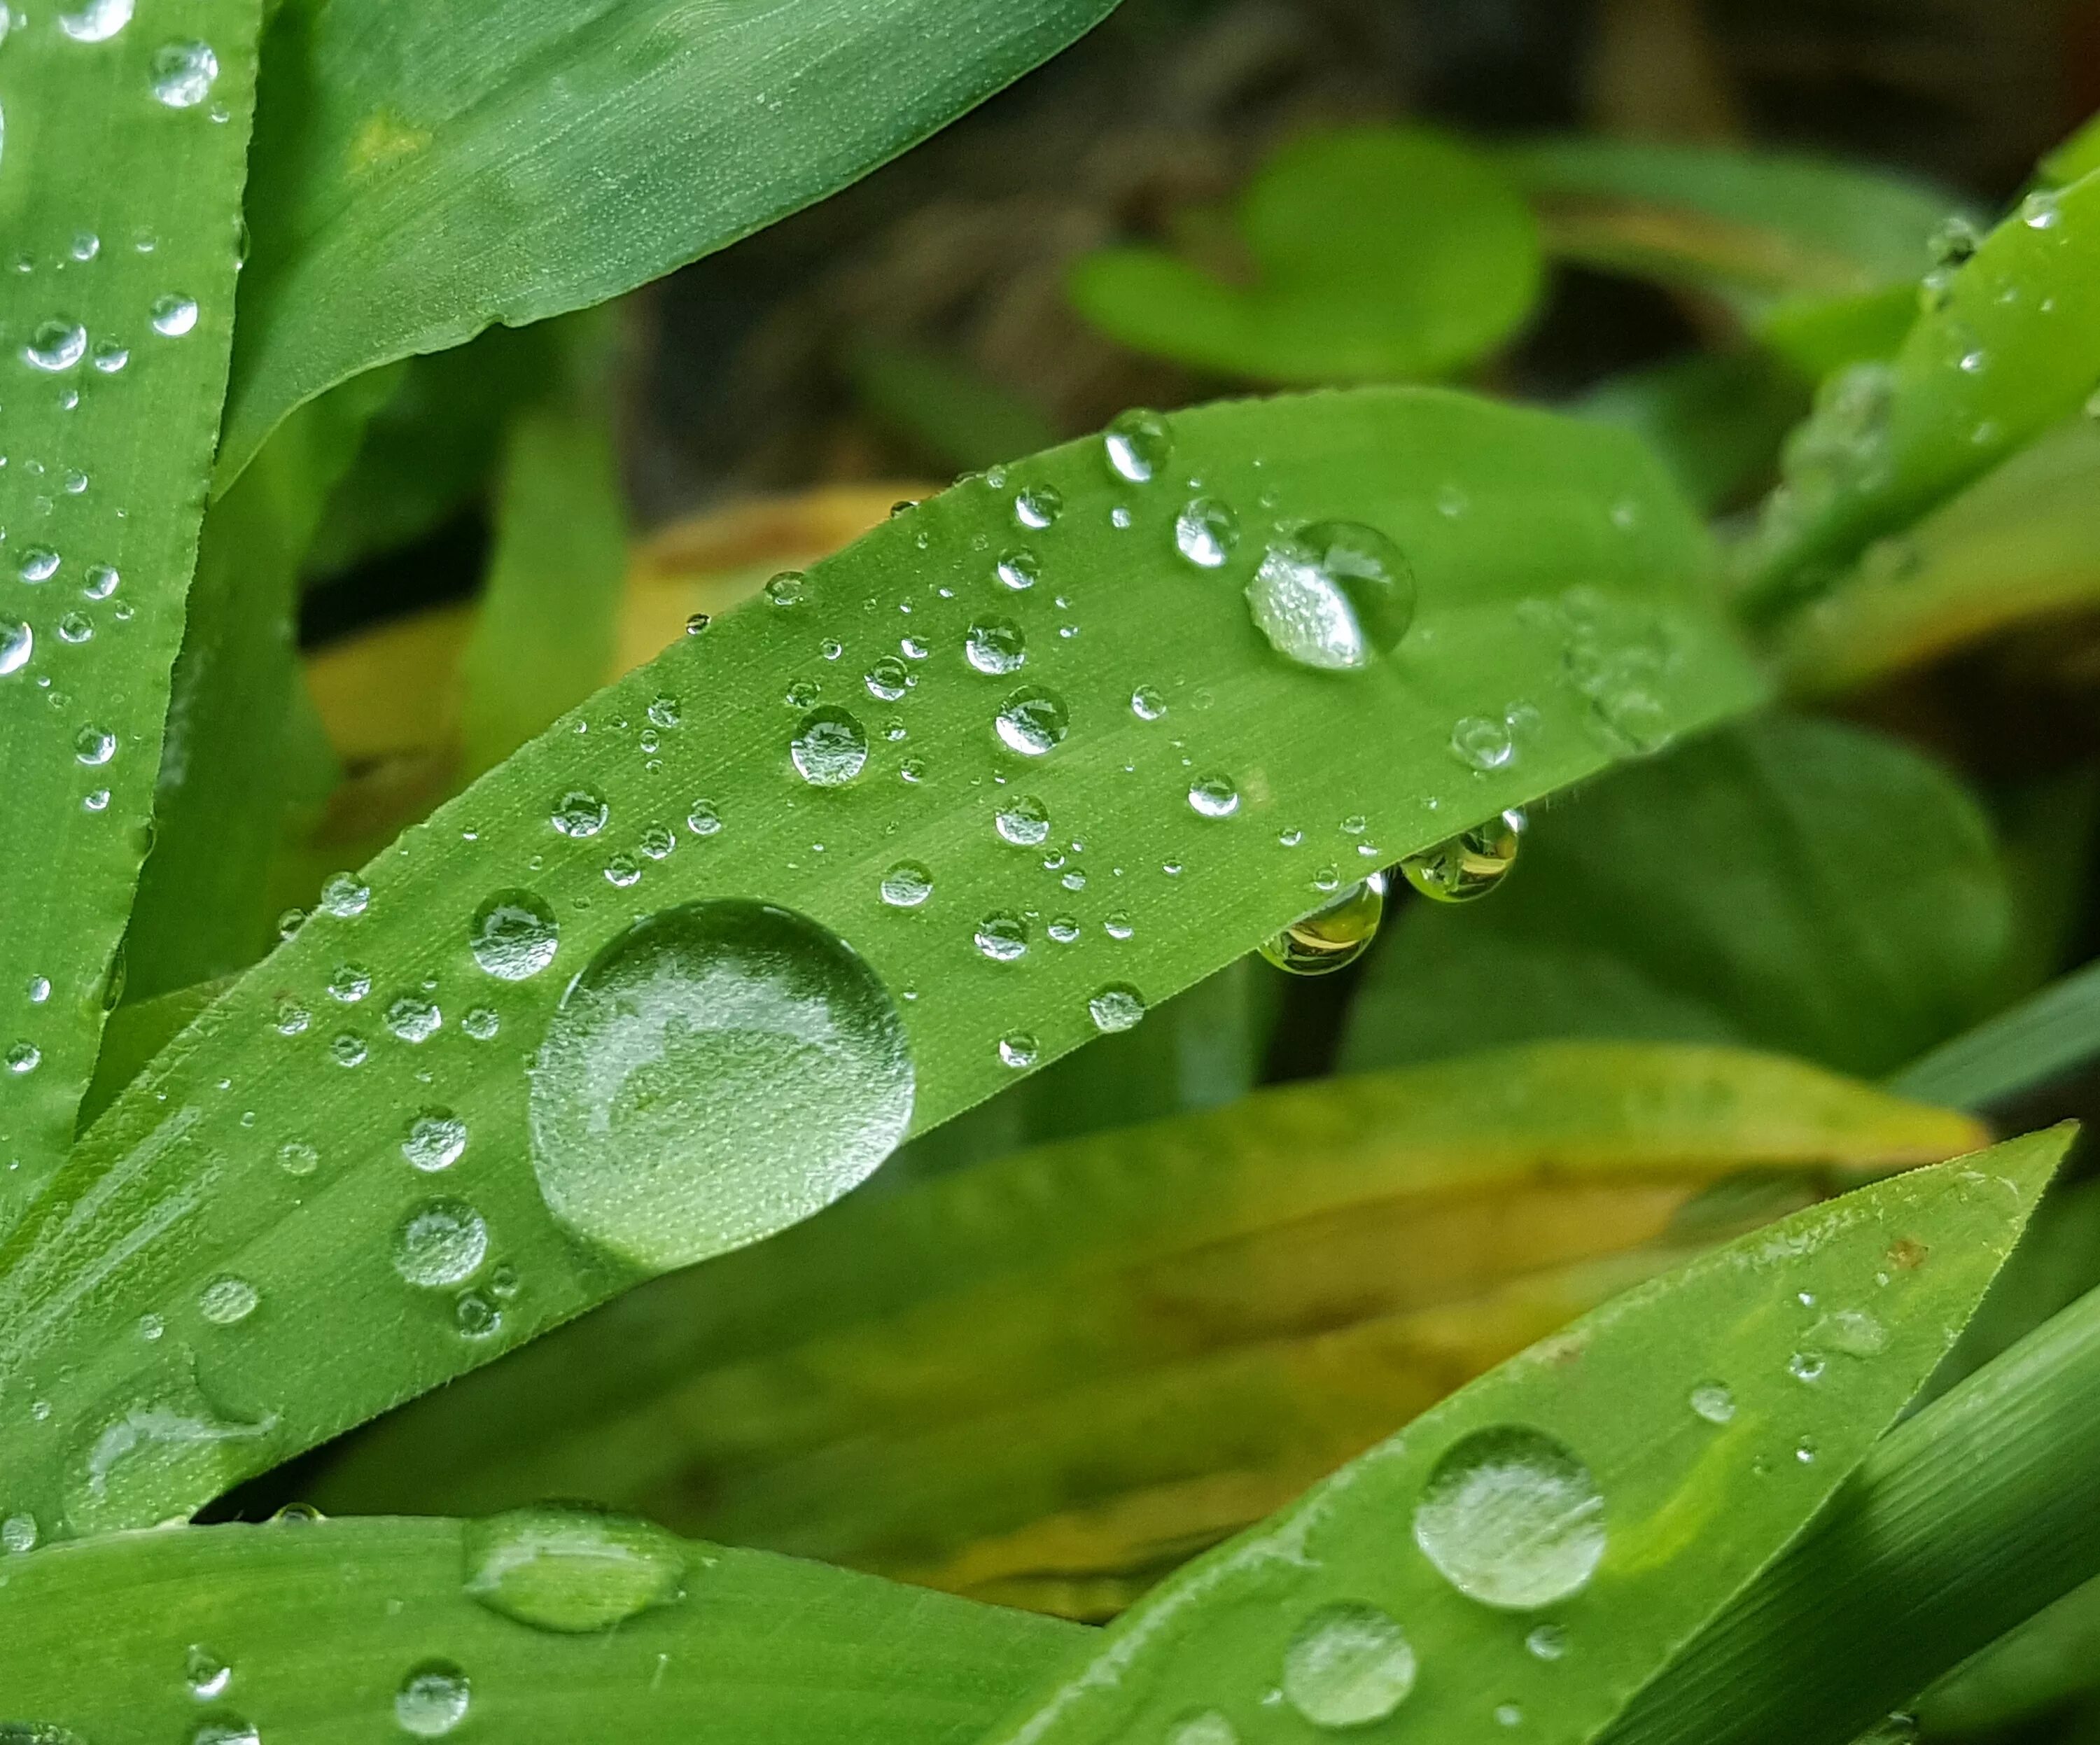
[[126, 207], [2022, 542], [180, 1181], [231, 766], [1965, 1521], [2044, 1036], [1716, 419], [1758, 227], [136, 1033], [2054, 1655], [2078, 156], [1251, 1296], [959, 418], [310, 1632], [1595, 1489], [1377, 252], [423, 173], [543, 638], [2012, 347], [1744, 889]]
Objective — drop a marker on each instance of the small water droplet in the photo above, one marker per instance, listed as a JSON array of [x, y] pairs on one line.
[[1118, 926], [39, 563], [1032, 721], [1545, 1641], [2042, 209], [906, 885], [18, 641], [1018, 1050], [348, 1049], [579, 812], [1332, 936], [1002, 936], [995, 645], [227, 1301], [514, 935], [1468, 866], [888, 679], [1138, 446], [829, 748], [1147, 704], [1347, 1665], [703, 820], [55, 346], [1512, 1518], [718, 1071], [1214, 796], [1806, 1366], [1854, 1332], [1205, 1727], [1038, 506], [572, 1569], [1333, 596], [350, 983], [183, 73], [481, 1022], [226, 1730], [1117, 1006], [442, 1242], [433, 1699], [435, 1139], [1023, 821], [205, 1673], [18, 1533], [1207, 531], [698, 622], [1481, 742], [1713, 1401], [93, 745], [297, 1158], [109, 357], [175, 315]]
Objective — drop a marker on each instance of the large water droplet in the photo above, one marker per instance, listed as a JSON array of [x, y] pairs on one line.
[[1332, 936], [1466, 865], [97, 21], [579, 812], [1032, 721], [435, 1140], [1117, 1006], [906, 885], [1002, 938], [1205, 532], [18, 641], [1214, 796], [1138, 446], [562, 1567], [55, 346], [829, 747], [514, 935], [1512, 1518], [1348, 1665], [995, 645], [183, 73], [442, 1242], [719, 1071], [1334, 596], [433, 1699], [1024, 821], [227, 1301], [175, 315]]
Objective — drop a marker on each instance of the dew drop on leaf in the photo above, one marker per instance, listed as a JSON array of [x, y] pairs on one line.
[[995, 645], [1018, 1050], [1024, 821], [227, 1300], [1468, 866], [1511, 1518], [906, 885], [18, 1533], [39, 563], [1332, 936], [441, 1242], [1205, 1727], [829, 748], [785, 589], [1117, 1006], [888, 680], [1002, 938], [1138, 445], [1545, 1641], [174, 315], [55, 345], [564, 1567], [183, 73], [1713, 1401], [205, 1673], [1207, 531], [1349, 1664], [97, 21], [718, 1072], [1018, 569], [514, 935], [579, 812], [1147, 704], [435, 1139], [1333, 597], [18, 641], [1038, 506], [412, 1018], [224, 1730], [1032, 721], [432, 1700], [1214, 796], [345, 896]]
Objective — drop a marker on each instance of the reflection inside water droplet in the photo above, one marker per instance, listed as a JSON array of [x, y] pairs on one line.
[[1332, 936], [433, 1699], [1512, 1518], [1334, 596], [719, 1071], [1468, 864], [514, 935]]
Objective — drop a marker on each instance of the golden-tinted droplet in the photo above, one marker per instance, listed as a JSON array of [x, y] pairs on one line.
[[1470, 864], [1334, 935]]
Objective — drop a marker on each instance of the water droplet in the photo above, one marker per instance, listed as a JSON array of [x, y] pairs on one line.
[[995, 645], [1804, 1450], [348, 1049], [2042, 209], [18, 641], [888, 679], [1117, 1006], [1512, 1518], [442, 1242], [1854, 1332], [718, 1072], [55, 346], [174, 315], [93, 745], [1334, 596], [1118, 926], [97, 21], [18, 1533], [579, 812], [76, 627], [345, 896], [514, 935], [39, 563], [1019, 569], [412, 1018], [1038, 506], [1348, 1665], [1147, 704], [1214, 796], [1138, 445], [1024, 821], [1713, 1401], [1032, 721], [1206, 1727], [225, 1730], [906, 885], [434, 1140], [292, 1017], [1466, 865], [109, 357], [297, 1158], [1332, 936], [663, 710], [829, 748], [350, 983], [433, 1699], [1508, 1714], [1806, 1366], [227, 1300], [1002, 938], [703, 820], [1547, 1642], [698, 622], [481, 1022], [1482, 741], [1205, 532], [561, 1566], [206, 1675]]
